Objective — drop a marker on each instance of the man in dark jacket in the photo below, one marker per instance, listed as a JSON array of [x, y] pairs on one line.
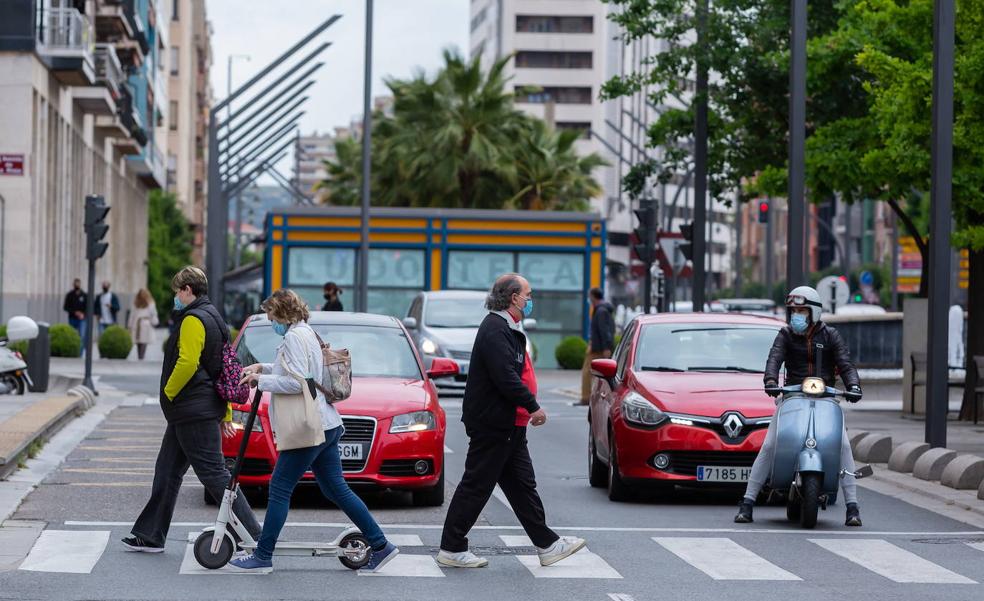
[[500, 400], [602, 341], [197, 418], [75, 306], [805, 345]]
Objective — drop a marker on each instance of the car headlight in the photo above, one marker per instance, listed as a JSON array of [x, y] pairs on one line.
[[428, 346], [239, 420], [638, 410], [418, 421]]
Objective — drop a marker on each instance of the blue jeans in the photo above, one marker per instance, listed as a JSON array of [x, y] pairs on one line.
[[326, 464], [80, 326]]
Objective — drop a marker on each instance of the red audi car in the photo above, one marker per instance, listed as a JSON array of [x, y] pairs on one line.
[[394, 426], [680, 402]]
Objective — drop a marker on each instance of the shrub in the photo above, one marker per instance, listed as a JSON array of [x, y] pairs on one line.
[[115, 343], [65, 341], [570, 352], [20, 345]]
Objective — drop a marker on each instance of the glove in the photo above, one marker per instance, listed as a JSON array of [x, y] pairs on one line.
[[853, 395], [772, 389]]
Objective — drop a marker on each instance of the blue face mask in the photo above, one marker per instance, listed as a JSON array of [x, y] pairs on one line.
[[528, 307], [798, 323], [280, 328], [178, 305]]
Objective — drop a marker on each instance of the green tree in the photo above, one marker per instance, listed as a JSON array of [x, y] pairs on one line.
[[169, 247]]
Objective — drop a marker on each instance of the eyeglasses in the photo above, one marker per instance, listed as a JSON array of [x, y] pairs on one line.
[[799, 300]]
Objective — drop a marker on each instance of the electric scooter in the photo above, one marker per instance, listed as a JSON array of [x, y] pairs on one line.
[[806, 468], [216, 545]]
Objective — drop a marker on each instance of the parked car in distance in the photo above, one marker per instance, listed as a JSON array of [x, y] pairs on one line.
[[394, 425], [859, 309], [680, 402], [754, 306]]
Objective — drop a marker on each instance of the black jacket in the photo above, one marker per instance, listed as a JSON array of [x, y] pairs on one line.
[[74, 301], [333, 305], [495, 389], [198, 400], [603, 328], [800, 351]]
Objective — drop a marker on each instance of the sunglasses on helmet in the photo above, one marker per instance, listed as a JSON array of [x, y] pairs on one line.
[[799, 300]]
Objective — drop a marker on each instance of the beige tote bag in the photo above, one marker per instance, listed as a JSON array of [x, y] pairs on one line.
[[296, 417]]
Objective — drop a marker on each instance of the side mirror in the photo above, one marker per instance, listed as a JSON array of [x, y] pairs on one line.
[[604, 368], [529, 323], [442, 367], [410, 323], [20, 327]]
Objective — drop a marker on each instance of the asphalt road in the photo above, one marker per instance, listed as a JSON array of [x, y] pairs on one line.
[[686, 547]]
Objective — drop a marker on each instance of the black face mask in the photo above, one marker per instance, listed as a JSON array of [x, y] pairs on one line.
[[77, 288], [105, 288]]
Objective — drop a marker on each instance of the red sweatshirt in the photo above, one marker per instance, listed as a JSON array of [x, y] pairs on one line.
[[529, 380]]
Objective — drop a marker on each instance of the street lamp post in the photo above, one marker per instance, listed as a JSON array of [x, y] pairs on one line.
[[797, 151], [362, 297], [700, 161]]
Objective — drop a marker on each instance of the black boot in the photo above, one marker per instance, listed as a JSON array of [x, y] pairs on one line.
[[744, 512], [853, 516]]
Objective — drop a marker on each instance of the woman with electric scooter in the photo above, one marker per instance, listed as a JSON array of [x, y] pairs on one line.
[[299, 358]]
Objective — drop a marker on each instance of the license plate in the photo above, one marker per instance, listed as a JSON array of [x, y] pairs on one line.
[[708, 473], [350, 450]]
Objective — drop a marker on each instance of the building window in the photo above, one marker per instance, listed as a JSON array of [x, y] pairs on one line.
[[175, 56], [545, 59], [172, 116], [548, 24], [583, 126], [175, 14], [558, 94]]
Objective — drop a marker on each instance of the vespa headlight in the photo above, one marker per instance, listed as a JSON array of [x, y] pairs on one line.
[[239, 421], [418, 421], [428, 346], [636, 409], [813, 386]]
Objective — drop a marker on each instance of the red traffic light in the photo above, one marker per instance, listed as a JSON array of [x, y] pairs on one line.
[[764, 207], [763, 211]]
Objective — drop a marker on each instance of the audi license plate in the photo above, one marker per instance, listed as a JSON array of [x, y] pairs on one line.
[[713, 473], [350, 450]]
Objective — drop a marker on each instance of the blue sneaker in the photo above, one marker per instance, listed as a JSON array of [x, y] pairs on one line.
[[251, 564], [380, 558]]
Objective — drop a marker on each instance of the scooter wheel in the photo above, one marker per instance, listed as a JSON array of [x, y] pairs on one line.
[[204, 555], [354, 551]]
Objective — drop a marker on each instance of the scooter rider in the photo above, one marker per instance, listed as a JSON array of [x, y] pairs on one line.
[[796, 345]]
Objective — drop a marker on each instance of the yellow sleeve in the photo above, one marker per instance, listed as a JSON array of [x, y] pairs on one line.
[[191, 342]]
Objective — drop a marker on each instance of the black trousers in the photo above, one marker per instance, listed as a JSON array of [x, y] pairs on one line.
[[197, 445], [495, 460]]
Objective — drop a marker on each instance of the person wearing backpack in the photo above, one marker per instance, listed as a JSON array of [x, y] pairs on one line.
[[197, 416], [296, 377]]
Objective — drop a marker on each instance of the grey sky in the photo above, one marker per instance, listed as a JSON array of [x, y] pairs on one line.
[[407, 34]]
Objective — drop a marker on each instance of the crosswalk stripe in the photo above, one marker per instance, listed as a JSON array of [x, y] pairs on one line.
[[978, 546], [890, 561], [405, 540], [66, 551], [515, 540], [583, 564], [412, 566], [723, 559], [620, 597]]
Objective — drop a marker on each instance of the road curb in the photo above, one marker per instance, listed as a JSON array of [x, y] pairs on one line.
[[874, 448], [904, 457], [966, 472], [916, 491], [39, 421], [931, 464], [855, 437]]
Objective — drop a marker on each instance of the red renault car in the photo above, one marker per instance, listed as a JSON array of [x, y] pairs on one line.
[[680, 402], [394, 426]]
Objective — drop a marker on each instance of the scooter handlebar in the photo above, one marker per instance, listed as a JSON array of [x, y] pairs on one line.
[[829, 391]]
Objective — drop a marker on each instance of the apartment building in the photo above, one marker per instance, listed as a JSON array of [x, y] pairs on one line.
[[82, 88], [310, 153], [190, 96]]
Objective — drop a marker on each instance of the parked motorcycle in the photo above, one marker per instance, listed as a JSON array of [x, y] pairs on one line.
[[13, 369]]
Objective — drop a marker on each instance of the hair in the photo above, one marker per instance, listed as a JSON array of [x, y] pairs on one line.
[[143, 299], [193, 277], [596, 293], [500, 296], [286, 306], [332, 286]]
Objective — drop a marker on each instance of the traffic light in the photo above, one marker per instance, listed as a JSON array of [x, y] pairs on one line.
[[645, 232], [764, 211], [687, 248], [96, 228]]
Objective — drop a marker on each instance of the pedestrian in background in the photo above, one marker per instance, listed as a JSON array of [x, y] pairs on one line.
[[197, 418], [602, 341], [75, 306], [109, 307], [500, 401], [332, 300], [143, 319]]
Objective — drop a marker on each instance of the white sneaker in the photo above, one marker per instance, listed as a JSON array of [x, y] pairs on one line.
[[562, 549], [465, 559]]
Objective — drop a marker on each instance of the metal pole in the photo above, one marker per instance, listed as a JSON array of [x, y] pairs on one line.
[[937, 397], [90, 307], [895, 262], [739, 276], [700, 162], [362, 303], [797, 154], [770, 254]]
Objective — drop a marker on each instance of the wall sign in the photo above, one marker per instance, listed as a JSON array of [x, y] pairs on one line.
[[11, 164]]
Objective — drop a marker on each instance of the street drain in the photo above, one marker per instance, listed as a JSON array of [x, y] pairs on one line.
[[947, 541]]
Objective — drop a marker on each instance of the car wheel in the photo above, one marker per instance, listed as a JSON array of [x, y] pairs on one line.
[[430, 497], [617, 489], [597, 471]]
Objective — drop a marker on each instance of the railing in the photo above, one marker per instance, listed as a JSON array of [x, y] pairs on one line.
[[64, 31], [108, 68], [875, 340]]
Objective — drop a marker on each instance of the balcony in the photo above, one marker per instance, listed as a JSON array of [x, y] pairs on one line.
[[150, 167], [66, 40], [109, 71], [112, 21]]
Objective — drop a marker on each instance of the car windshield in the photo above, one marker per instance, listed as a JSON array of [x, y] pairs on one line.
[[704, 347], [376, 351], [454, 313]]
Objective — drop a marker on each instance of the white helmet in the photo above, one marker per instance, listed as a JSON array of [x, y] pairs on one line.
[[804, 296]]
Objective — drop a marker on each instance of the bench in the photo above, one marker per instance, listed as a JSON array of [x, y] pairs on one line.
[[918, 367]]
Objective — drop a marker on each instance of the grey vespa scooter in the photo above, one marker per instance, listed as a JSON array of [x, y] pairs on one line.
[[806, 468]]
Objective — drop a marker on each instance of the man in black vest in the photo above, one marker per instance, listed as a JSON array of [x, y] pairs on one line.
[[196, 417]]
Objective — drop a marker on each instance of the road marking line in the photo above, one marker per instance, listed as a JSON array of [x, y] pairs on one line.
[[127, 448], [151, 401], [413, 566], [447, 450], [620, 597], [186, 483], [501, 496], [67, 551], [405, 540], [723, 559], [516, 540], [583, 564], [978, 546], [892, 562]]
